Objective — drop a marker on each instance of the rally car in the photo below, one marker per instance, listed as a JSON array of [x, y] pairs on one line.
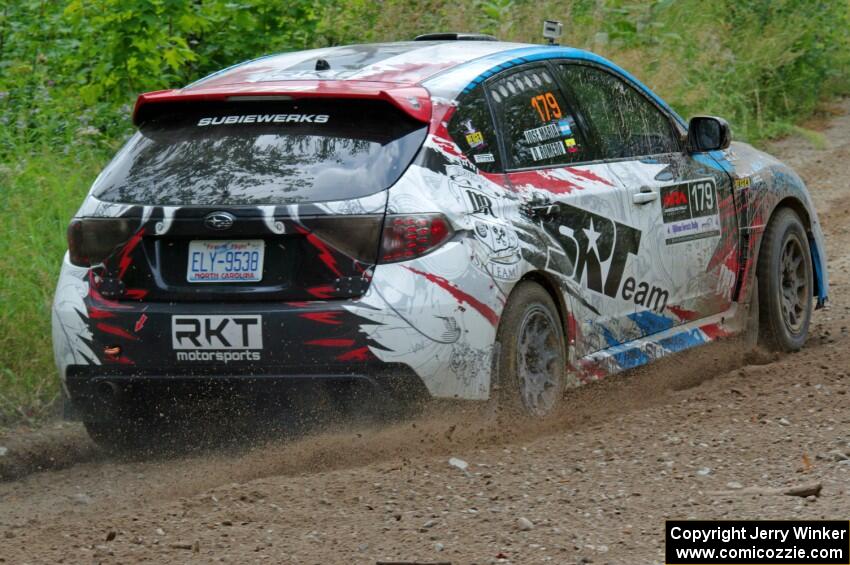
[[451, 217]]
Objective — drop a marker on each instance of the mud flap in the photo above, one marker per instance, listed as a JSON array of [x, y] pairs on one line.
[[818, 274]]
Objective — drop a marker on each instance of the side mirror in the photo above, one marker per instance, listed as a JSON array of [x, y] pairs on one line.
[[708, 133]]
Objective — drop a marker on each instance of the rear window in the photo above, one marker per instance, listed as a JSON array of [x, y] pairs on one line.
[[263, 153]]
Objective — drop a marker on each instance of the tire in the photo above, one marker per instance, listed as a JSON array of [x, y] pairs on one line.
[[532, 360], [785, 283]]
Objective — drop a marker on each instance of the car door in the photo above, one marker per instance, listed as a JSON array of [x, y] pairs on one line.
[[681, 203], [579, 211]]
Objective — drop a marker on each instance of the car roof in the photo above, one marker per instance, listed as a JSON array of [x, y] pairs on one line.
[[401, 63], [399, 72]]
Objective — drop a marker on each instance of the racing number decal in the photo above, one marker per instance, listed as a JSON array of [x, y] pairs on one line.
[[702, 197], [690, 211], [547, 107]]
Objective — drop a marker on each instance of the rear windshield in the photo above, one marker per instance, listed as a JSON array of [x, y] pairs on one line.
[[263, 153]]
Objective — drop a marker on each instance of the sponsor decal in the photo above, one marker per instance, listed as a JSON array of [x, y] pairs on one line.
[[597, 249], [469, 190], [475, 139], [265, 118], [690, 211], [480, 204], [484, 158], [743, 182], [223, 356], [501, 242], [217, 337], [571, 145]]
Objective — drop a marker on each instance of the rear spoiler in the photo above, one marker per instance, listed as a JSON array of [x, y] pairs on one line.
[[415, 101]]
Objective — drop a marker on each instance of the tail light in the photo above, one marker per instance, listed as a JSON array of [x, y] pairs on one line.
[[355, 236], [90, 241], [407, 236]]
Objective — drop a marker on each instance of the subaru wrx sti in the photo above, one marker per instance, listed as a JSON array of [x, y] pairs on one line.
[[449, 217]]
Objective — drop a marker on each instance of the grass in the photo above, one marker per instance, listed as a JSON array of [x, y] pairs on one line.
[[39, 193]]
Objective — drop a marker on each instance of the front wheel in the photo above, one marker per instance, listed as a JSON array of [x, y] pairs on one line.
[[785, 287], [532, 357]]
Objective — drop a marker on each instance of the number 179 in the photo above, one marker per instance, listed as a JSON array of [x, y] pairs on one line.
[[547, 107]]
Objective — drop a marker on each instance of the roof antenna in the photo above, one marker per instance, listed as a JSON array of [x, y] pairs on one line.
[[552, 30], [322, 65]]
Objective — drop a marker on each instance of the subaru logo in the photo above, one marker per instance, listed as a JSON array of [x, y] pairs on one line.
[[219, 221]]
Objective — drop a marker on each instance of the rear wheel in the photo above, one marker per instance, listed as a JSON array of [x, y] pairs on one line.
[[532, 358], [785, 284]]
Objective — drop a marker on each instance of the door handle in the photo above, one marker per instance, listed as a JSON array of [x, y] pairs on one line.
[[544, 211], [644, 197]]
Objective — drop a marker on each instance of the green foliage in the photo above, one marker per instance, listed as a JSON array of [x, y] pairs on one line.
[[71, 69], [71, 66], [39, 192], [495, 16]]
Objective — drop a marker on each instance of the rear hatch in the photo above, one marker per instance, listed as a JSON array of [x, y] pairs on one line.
[[260, 200]]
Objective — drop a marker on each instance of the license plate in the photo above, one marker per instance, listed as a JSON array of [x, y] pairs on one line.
[[212, 261]]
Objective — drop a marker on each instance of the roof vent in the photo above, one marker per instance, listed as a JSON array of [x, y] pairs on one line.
[[451, 36]]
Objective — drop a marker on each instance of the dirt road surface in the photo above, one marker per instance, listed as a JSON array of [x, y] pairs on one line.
[[593, 487]]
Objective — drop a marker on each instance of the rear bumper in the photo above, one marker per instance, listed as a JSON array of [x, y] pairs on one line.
[[98, 393], [223, 339], [131, 357], [435, 330]]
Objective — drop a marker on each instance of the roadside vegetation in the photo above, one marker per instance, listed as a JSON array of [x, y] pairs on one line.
[[70, 71]]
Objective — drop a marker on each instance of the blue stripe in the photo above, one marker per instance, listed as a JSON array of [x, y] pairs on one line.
[[609, 337], [626, 358], [683, 340], [651, 323], [631, 358]]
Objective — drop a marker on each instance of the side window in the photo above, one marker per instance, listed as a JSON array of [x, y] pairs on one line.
[[471, 128], [625, 121], [537, 127]]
